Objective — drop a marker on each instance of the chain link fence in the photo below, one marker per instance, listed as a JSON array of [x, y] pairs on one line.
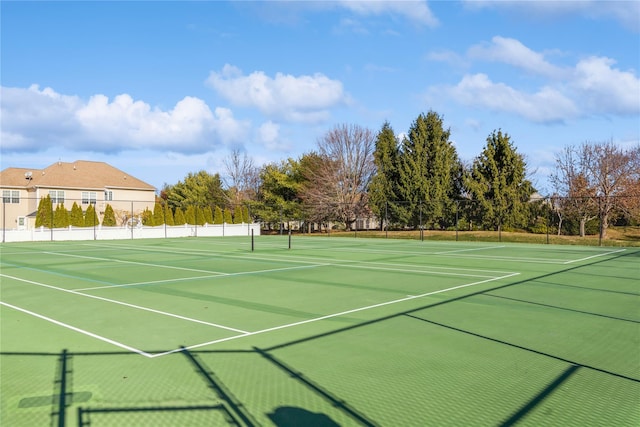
[[461, 219]]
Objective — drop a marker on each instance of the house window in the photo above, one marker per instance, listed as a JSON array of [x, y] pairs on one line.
[[9, 196], [88, 197], [57, 197], [108, 196]]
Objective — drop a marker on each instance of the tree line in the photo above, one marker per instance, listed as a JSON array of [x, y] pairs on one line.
[[405, 181], [416, 179], [59, 217]]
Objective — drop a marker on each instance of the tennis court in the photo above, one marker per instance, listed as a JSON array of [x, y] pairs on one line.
[[318, 331]]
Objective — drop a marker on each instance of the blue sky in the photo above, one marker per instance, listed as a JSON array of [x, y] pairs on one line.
[[160, 89]]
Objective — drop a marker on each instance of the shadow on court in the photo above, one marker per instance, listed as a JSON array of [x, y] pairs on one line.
[[66, 406], [123, 388]]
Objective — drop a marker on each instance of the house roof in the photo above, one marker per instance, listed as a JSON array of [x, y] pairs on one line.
[[82, 174]]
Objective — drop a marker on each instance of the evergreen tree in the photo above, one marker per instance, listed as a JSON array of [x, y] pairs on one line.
[[44, 217], [245, 214], [158, 215], [218, 217], [147, 217], [497, 182], [168, 215], [91, 217], [384, 187], [227, 216], [190, 215], [208, 216], [200, 219], [61, 217], [109, 219], [237, 215], [77, 216], [179, 217], [428, 169], [202, 189]]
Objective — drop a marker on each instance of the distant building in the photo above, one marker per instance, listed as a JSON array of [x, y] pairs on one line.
[[83, 182]]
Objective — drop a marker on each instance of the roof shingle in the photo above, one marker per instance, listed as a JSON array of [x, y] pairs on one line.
[[79, 174]]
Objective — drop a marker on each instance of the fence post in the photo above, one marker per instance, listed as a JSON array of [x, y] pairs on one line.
[[600, 220], [386, 219], [548, 203], [457, 207], [132, 220]]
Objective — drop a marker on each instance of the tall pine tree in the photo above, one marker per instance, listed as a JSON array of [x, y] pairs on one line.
[[44, 216], [109, 219], [77, 216], [91, 217], [218, 217], [228, 219], [179, 217], [158, 214], [428, 168], [61, 217], [168, 215], [208, 216], [384, 187], [498, 185]]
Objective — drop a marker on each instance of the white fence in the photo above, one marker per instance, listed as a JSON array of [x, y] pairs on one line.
[[118, 233]]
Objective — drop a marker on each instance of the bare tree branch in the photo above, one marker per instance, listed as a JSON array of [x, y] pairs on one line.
[[337, 185]]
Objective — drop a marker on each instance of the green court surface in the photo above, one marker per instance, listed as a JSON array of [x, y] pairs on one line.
[[329, 332]]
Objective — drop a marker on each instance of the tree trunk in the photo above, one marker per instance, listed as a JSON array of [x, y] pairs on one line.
[[560, 227], [583, 221], [604, 225]]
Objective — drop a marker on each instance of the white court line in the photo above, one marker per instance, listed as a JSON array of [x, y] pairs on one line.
[[217, 276], [594, 256], [306, 260], [329, 316], [152, 310], [468, 250], [404, 270], [133, 262], [512, 259], [151, 282], [82, 331]]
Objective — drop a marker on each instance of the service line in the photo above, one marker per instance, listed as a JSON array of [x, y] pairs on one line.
[[329, 316], [138, 307]]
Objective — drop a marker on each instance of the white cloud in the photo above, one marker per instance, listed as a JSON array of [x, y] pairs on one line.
[[546, 105], [297, 99], [269, 135], [33, 119], [604, 89], [593, 86], [513, 52], [417, 11]]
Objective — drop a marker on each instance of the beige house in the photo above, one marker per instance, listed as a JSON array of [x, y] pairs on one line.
[[83, 182]]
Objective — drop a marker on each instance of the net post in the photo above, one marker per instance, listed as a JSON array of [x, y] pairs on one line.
[[252, 245], [289, 238]]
